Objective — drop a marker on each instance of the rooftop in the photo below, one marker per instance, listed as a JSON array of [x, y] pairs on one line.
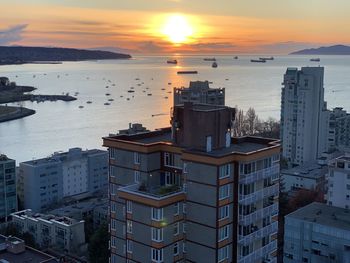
[[28, 255], [308, 170], [344, 158], [324, 215], [243, 145], [3, 158]]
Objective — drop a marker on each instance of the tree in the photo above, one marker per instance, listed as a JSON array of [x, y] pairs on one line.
[[251, 121], [98, 246], [238, 124]]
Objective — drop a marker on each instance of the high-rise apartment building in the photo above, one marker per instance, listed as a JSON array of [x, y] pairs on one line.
[[8, 194], [191, 193], [338, 182], [46, 181], [199, 92], [339, 129], [304, 117]]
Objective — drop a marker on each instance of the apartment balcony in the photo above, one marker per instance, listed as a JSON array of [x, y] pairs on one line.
[[258, 234], [258, 214], [157, 196], [260, 253], [259, 175], [259, 195]]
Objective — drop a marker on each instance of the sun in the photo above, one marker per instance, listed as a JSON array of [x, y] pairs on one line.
[[177, 29]]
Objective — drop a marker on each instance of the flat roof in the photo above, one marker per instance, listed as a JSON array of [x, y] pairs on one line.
[[29, 255], [323, 214], [242, 145], [308, 170], [344, 158]]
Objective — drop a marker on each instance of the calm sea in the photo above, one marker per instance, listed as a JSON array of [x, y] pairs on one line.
[[57, 126]]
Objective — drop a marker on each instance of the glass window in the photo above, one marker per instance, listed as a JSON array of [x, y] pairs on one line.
[[157, 234], [224, 191], [176, 249], [224, 232], [157, 214], [225, 171], [113, 224], [176, 208], [223, 212], [176, 229], [157, 255], [222, 253], [129, 226], [129, 207], [129, 245], [113, 207], [113, 241], [137, 176], [112, 153], [137, 158]]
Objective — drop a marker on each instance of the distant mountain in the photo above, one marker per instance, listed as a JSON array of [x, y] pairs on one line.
[[332, 50], [21, 54]]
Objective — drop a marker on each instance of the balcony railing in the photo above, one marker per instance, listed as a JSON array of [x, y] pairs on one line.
[[262, 174], [259, 254], [258, 195], [156, 192], [259, 214], [258, 234]]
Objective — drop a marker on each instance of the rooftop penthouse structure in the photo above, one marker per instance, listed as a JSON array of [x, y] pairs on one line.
[[49, 231], [199, 92], [191, 193]]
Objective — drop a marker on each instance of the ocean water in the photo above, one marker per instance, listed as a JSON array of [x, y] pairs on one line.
[[58, 126]]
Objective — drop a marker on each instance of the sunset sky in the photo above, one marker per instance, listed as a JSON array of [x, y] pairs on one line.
[[176, 26]]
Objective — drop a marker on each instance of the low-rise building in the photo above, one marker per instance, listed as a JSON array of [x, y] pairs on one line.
[[49, 231], [8, 195], [44, 182], [317, 233], [14, 250], [310, 176], [338, 182]]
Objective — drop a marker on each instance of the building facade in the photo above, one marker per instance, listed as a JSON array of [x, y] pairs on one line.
[[199, 92], [183, 196], [48, 231], [338, 182], [46, 181], [317, 233], [339, 129], [304, 115], [8, 193]]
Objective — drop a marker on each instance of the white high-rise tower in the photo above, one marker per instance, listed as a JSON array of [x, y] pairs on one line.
[[304, 117]]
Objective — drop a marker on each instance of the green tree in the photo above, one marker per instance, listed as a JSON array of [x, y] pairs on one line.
[[98, 246]]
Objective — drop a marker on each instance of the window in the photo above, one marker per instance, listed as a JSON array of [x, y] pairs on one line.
[[184, 227], [171, 178], [113, 189], [184, 247], [113, 241], [137, 176], [222, 253], [157, 234], [129, 246], [224, 232], [157, 255], [169, 159], [225, 171], [223, 212], [113, 224], [184, 208], [184, 168], [113, 207], [157, 214], [176, 249], [176, 208], [224, 191], [176, 229], [113, 171], [112, 153], [114, 258], [209, 144], [129, 226], [129, 207], [137, 158]]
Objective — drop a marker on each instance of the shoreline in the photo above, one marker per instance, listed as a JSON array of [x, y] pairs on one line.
[[9, 113]]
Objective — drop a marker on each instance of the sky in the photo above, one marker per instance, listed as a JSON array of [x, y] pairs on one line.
[[176, 26]]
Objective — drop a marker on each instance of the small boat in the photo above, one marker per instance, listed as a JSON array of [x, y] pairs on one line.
[[137, 79], [132, 88], [235, 57], [169, 92], [169, 83], [315, 59], [270, 58], [89, 102], [166, 97], [214, 65], [131, 91], [107, 94], [149, 94], [111, 100], [128, 99], [106, 103], [172, 61], [121, 96], [257, 60], [162, 89], [188, 72], [107, 87], [226, 79], [143, 91], [209, 59], [80, 107], [113, 85]]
